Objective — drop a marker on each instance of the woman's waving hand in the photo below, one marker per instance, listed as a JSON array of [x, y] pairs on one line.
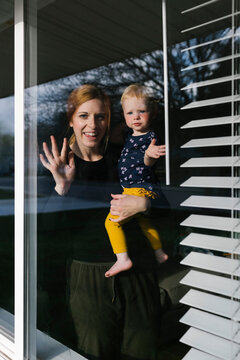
[[61, 165]]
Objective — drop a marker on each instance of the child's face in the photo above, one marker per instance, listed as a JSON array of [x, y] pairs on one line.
[[137, 115]]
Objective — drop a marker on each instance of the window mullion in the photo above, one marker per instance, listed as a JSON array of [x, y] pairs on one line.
[[19, 326]]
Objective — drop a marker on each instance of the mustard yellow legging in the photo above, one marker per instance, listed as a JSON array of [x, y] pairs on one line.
[[115, 230]]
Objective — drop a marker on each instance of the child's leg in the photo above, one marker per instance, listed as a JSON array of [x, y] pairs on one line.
[[116, 234], [118, 242], [152, 235]]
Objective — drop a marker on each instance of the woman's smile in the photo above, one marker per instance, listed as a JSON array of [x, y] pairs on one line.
[[90, 135]]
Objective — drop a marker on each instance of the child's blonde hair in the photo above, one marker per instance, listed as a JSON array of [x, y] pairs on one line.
[[140, 92]]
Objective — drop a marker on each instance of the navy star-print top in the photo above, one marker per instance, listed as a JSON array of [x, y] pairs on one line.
[[132, 170]]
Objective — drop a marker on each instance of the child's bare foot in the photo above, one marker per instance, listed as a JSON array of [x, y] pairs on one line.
[[161, 256], [123, 263]]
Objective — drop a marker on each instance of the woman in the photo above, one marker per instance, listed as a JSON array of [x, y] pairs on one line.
[[117, 317]]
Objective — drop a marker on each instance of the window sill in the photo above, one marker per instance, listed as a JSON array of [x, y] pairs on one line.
[[48, 348]]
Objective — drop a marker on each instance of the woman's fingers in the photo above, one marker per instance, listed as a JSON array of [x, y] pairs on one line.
[[118, 220], [114, 210], [43, 161], [71, 161], [54, 147], [115, 203], [64, 150], [47, 153], [116, 196], [54, 158], [62, 169], [125, 206], [118, 208]]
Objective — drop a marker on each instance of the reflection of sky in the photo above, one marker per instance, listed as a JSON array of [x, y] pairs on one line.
[[7, 115]]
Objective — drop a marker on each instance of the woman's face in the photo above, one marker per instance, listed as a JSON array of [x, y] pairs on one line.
[[89, 124]]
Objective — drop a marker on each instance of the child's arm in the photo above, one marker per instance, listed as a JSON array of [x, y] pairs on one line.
[[153, 153]]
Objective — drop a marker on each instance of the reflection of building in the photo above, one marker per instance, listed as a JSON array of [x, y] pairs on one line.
[[85, 38]]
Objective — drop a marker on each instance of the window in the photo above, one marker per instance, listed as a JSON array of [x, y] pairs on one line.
[[59, 47]]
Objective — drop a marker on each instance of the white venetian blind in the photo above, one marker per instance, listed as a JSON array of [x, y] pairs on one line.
[[213, 221]]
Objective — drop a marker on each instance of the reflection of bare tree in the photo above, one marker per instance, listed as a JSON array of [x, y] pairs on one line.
[[146, 69]]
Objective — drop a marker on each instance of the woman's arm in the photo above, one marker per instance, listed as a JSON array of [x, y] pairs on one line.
[[62, 172], [126, 206]]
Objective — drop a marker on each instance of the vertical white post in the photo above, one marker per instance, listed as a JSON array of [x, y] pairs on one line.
[[19, 326], [31, 162], [165, 77]]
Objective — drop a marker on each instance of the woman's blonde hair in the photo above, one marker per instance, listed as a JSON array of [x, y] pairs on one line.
[[85, 93]]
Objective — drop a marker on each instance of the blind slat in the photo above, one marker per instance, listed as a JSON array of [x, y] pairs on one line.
[[210, 42], [211, 122], [213, 141], [212, 283], [212, 202], [228, 37], [212, 222], [212, 303], [211, 242], [210, 62], [219, 80], [214, 345], [210, 22], [213, 182], [212, 263], [213, 324], [220, 161], [210, 102], [199, 6], [195, 354]]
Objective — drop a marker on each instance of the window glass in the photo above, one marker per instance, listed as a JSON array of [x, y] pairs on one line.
[[100, 45], [109, 45]]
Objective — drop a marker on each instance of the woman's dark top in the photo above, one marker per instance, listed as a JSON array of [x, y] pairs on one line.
[[92, 188], [72, 227]]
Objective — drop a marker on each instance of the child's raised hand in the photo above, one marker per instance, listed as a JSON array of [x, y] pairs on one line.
[[155, 151]]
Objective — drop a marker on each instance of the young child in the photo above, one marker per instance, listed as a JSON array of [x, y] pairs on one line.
[[135, 171]]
